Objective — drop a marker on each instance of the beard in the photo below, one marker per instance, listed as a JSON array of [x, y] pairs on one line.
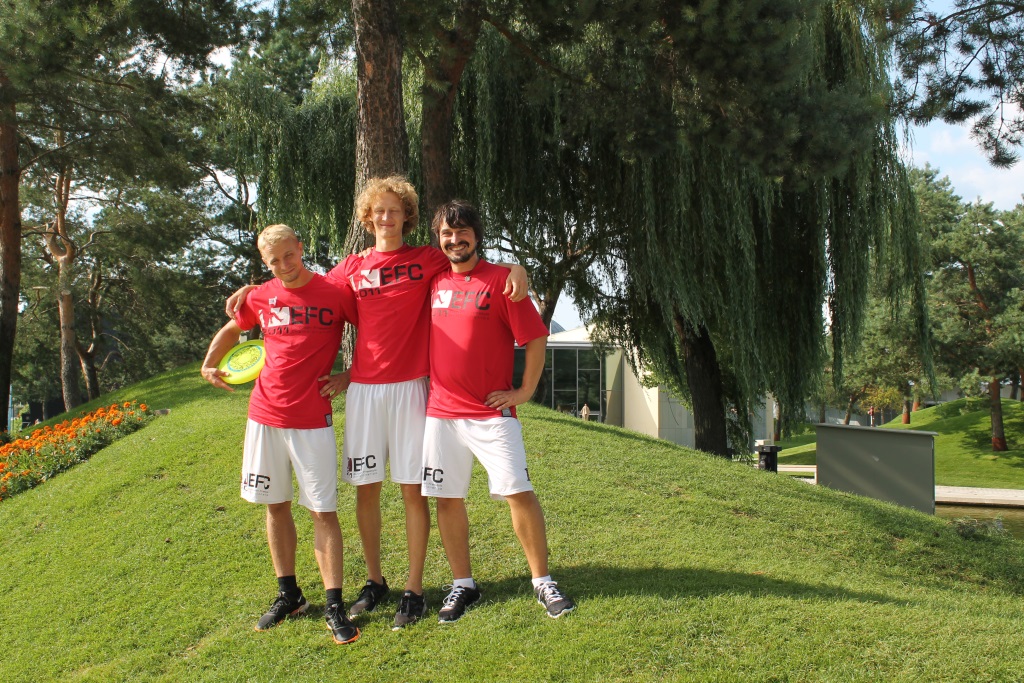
[[460, 258]]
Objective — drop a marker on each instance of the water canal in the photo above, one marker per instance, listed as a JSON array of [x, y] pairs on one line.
[[1012, 518]]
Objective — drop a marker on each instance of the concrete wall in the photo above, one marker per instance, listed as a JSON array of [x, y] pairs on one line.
[[614, 383], [675, 423], [640, 405]]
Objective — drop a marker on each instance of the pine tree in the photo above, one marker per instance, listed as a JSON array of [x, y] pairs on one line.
[[61, 65]]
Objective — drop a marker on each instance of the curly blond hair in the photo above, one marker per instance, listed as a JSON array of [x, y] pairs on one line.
[[400, 186]]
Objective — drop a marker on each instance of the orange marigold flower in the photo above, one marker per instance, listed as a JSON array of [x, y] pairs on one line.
[[126, 404], [143, 407], [116, 421]]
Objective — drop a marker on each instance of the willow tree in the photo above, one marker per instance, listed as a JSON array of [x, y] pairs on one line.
[[726, 211], [756, 256]]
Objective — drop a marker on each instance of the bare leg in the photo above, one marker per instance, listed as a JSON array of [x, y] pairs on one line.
[[528, 521], [281, 538], [328, 547], [453, 523], [368, 519], [417, 531]]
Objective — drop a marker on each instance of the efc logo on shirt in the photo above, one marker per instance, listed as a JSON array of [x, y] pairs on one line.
[[278, 317], [366, 279], [381, 277], [454, 299]]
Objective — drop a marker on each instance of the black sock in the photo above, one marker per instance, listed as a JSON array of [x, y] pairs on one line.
[[333, 596], [288, 586]]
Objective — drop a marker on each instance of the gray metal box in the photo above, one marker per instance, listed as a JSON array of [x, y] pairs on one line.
[[886, 464]]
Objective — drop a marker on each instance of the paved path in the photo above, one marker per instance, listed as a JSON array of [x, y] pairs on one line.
[[950, 495]]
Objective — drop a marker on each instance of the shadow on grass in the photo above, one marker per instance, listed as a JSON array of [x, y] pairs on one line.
[[590, 581]]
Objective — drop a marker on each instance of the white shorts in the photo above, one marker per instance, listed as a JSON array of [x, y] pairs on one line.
[[384, 424], [449, 447], [271, 453]]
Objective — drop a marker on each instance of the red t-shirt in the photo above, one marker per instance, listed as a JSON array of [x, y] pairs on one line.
[[473, 331], [302, 329], [391, 290]]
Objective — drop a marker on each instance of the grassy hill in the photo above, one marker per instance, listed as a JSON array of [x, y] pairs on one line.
[[963, 445], [143, 564]]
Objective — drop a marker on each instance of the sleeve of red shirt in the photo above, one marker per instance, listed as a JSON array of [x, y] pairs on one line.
[[339, 274], [348, 302], [438, 263], [245, 316], [524, 320]]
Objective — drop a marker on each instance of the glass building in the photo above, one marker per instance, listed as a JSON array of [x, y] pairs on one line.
[[572, 378]]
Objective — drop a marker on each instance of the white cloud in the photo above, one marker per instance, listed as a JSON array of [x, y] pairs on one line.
[[951, 150]]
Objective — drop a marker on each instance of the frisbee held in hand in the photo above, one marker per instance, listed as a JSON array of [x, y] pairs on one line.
[[244, 362]]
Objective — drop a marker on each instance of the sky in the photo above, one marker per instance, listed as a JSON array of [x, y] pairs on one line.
[[951, 150], [948, 148]]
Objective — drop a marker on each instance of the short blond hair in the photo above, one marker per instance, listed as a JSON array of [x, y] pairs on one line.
[[272, 234], [396, 184]]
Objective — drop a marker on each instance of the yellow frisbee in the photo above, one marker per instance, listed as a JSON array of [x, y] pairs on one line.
[[244, 362]]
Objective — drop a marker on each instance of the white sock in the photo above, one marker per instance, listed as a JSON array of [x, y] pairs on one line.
[[465, 583], [543, 579]]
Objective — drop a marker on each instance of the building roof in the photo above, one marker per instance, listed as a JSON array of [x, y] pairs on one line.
[[577, 337]]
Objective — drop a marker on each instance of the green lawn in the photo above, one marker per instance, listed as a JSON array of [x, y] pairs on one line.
[[143, 564], [963, 446]]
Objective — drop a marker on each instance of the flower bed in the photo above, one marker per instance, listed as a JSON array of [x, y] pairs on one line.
[[29, 461]]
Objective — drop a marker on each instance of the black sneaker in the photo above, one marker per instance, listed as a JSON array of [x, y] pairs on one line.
[[369, 597], [282, 608], [456, 603], [556, 602], [410, 610], [343, 630]]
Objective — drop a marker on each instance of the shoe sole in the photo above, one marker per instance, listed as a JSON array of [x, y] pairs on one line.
[[346, 642], [300, 610], [555, 616]]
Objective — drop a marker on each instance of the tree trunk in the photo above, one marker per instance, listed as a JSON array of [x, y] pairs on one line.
[[442, 73], [822, 413], [10, 238], [87, 354], [382, 146], [704, 379], [68, 340], [849, 409], [917, 405], [1015, 393], [906, 411], [995, 400]]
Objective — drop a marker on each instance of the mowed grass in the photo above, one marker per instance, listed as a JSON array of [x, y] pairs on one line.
[[143, 564], [963, 444]]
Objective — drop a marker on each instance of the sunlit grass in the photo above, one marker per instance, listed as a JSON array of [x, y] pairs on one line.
[[143, 564]]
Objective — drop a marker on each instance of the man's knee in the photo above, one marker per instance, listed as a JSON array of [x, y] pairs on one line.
[[279, 509], [324, 517]]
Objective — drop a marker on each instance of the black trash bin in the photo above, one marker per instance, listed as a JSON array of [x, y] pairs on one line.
[[768, 458]]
